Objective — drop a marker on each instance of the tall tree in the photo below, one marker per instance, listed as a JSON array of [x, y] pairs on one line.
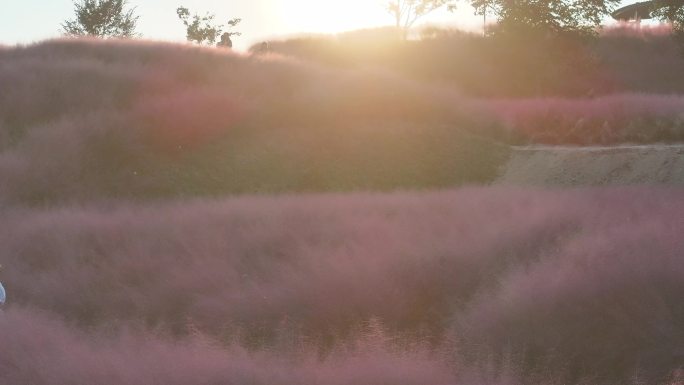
[[203, 29], [102, 18], [407, 12], [553, 16], [483, 8]]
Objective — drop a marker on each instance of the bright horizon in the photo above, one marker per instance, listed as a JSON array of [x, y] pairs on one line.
[[34, 20]]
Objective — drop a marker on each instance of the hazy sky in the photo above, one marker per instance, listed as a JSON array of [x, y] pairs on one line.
[[26, 21]]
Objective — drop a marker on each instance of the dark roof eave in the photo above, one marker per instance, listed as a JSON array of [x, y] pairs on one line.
[[643, 9], [640, 10]]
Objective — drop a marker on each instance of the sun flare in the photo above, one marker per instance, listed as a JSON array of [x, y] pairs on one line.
[[334, 16]]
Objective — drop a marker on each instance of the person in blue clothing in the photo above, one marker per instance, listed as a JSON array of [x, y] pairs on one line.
[[2, 293]]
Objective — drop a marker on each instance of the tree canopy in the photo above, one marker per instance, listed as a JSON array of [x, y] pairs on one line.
[[671, 11], [203, 29], [553, 16], [102, 18]]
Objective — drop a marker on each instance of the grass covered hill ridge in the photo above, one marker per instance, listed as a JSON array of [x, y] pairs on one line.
[[90, 120]]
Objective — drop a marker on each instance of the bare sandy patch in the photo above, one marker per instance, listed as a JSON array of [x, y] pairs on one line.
[[594, 166]]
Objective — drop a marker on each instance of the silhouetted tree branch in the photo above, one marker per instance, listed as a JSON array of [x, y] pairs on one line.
[[407, 12], [550, 16], [671, 11], [203, 29]]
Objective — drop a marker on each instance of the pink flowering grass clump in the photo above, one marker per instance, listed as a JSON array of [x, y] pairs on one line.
[[622, 87], [39, 349], [619, 118], [565, 285]]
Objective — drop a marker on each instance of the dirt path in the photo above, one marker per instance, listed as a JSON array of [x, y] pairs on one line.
[[587, 166]]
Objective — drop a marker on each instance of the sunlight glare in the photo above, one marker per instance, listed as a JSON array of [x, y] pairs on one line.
[[334, 15]]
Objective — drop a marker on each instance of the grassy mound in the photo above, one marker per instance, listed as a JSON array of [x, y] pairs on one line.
[[93, 120], [624, 87]]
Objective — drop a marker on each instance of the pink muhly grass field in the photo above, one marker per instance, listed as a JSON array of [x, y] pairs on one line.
[[552, 284], [143, 243], [602, 120]]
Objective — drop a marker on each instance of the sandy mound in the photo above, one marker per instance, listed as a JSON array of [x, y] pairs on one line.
[[573, 166]]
